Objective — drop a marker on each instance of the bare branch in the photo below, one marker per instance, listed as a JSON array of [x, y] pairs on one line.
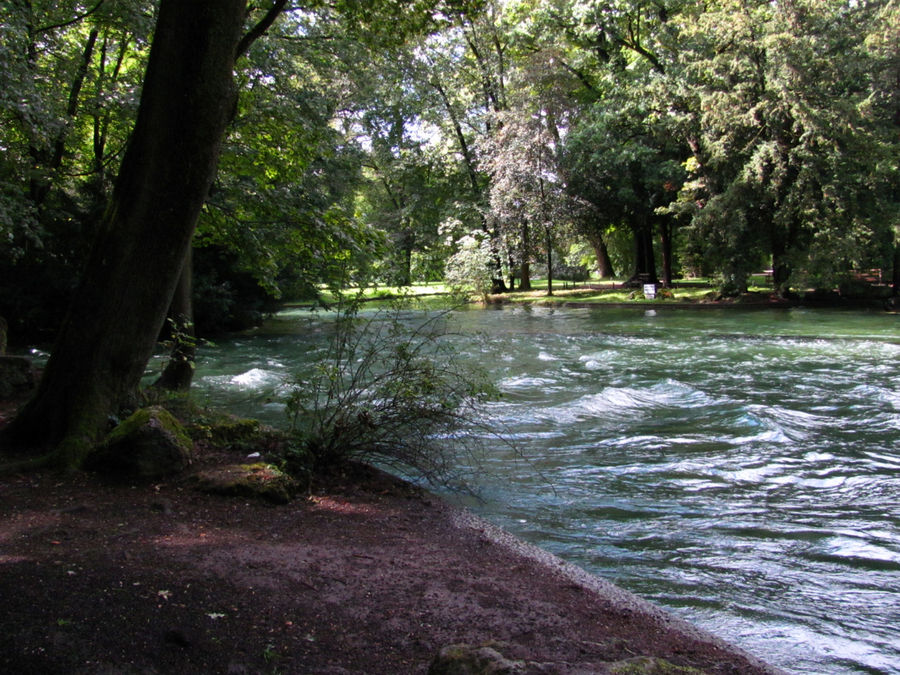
[[260, 28], [78, 18]]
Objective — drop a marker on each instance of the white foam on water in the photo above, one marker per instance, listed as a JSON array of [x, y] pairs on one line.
[[255, 378]]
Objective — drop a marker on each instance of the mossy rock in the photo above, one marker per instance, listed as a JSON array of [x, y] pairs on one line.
[[150, 444], [225, 430], [260, 480]]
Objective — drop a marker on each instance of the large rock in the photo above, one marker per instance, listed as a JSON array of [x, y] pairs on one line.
[[148, 445], [16, 376], [249, 480]]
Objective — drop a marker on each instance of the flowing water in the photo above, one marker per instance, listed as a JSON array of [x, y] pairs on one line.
[[738, 467]]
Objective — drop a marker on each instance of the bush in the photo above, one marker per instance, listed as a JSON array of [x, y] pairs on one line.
[[576, 273], [392, 392], [470, 268]]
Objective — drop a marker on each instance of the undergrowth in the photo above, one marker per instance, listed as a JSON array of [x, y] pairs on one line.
[[392, 390]]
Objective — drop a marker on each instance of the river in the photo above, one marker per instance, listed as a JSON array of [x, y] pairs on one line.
[[738, 467]]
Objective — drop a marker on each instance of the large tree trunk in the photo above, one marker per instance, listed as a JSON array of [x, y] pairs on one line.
[[116, 315]]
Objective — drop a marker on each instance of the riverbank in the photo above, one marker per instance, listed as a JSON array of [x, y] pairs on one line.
[[686, 294], [366, 575]]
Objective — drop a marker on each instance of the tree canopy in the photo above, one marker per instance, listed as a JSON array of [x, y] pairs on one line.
[[375, 142]]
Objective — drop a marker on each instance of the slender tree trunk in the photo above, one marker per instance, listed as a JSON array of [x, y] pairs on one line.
[[895, 280], [497, 283], [49, 160], [406, 277], [116, 315], [549, 241], [604, 263], [409, 245], [511, 266], [525, 284], [665, 233], [644, 259], [179, 371], [781, 269]]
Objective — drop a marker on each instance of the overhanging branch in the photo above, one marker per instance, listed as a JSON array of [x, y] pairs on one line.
[[260, 28]]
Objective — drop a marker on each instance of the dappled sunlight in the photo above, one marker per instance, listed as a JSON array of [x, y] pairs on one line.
[[343, 507], [25, 524], [197, 539]]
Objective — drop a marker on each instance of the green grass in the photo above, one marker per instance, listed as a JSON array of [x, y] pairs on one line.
[[416, 290], [607, 292], [595, 291]]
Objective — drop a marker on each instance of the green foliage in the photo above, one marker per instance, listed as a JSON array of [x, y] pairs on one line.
[[788, 149], [69, 80], [227, 297], [390, 390], [759, 134], [470, 269]]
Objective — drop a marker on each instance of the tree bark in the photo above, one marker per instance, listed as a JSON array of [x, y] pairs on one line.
[[895, 278], [406, 273], [644, 259], [604, 263], [665, 234], [179, 371], [525, 269], [116, 315], [549, 244]]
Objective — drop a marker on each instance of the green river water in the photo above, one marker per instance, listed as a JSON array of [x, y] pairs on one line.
[[740, 468]]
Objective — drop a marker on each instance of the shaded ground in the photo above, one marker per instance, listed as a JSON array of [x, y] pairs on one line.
[[368, 575]]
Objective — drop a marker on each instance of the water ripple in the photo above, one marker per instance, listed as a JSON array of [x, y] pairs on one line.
[[738, 467]]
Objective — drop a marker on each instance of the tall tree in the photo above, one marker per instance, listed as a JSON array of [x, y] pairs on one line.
[[113, 322], [187, 102], [783, 162]]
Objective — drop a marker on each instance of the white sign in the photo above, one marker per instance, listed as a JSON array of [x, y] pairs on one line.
[[650, 291]]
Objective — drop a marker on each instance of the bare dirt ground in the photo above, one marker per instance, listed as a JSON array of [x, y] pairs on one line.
[[365, 575]]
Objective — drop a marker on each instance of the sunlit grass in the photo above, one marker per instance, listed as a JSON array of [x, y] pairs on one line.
[[608, 292], [417, 290], [594, 291]]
